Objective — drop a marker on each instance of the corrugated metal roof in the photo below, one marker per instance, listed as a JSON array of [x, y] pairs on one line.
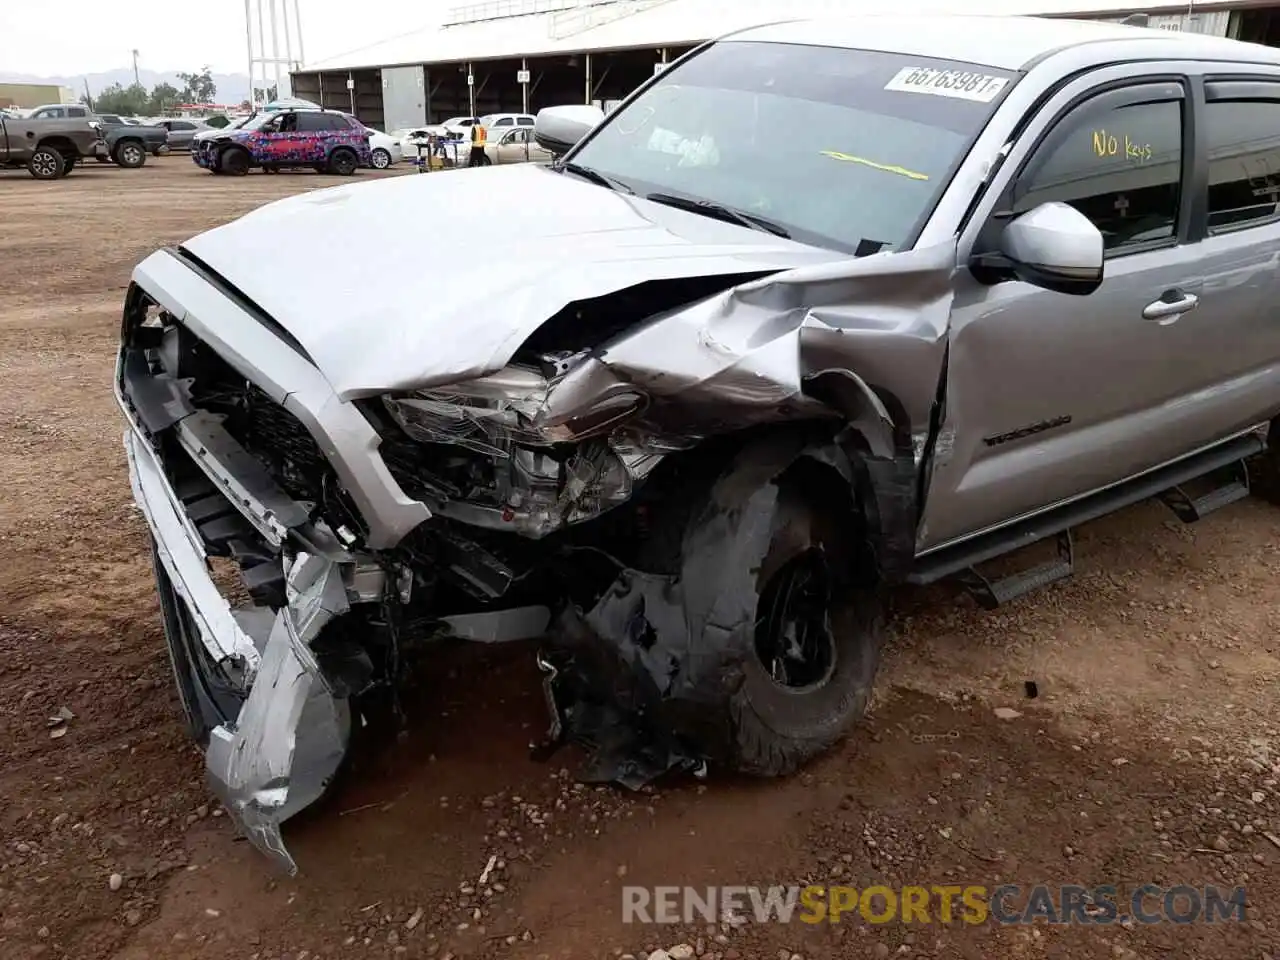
[[658, 23]]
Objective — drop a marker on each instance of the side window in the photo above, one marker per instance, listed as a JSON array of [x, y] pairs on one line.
[[504, 122], [180, 125], [1116, 161], [525, 121], [49, 113], [1244, 162], [77, 112], [314, 122]]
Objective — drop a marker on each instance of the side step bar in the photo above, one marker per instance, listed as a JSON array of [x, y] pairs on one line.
[[963, 558], [1189, 509], [995, 593]]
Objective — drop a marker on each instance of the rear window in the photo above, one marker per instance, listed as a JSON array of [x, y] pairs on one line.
[[844, 148]]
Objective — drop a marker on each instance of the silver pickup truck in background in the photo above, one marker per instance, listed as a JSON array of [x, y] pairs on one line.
[[822, 309], [49, 149]]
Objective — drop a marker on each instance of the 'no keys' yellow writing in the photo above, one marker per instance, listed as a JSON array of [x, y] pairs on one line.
[[1109, 145]]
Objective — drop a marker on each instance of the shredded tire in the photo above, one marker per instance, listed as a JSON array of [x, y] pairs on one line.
[[777, 729], [770, 729]]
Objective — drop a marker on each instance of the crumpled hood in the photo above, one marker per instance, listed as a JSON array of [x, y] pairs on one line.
[[425, 280]]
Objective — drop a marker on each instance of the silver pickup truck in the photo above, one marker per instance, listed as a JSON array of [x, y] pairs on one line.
[[49, 149], [824, 308]]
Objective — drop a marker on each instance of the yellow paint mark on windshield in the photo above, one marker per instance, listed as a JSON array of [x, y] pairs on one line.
[[887, 168]]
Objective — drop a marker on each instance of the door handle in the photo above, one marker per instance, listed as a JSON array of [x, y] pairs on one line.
[[1163, 309]]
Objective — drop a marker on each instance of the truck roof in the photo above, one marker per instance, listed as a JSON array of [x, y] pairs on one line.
[[1006, 43]]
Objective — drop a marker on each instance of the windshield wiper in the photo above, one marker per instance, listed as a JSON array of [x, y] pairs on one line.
[[595, 176], [721, 212]]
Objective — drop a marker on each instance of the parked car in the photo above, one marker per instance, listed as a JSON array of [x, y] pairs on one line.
[[498, 123], [48, 148], [384, 150], [61, 111], [453, 127], [515, 145], [214, 129], [182, 132], [411, 139], [126, 143], [326, 140], [417, 144], [822, 309]]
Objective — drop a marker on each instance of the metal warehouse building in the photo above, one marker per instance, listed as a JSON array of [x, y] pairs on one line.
[[508, 55]]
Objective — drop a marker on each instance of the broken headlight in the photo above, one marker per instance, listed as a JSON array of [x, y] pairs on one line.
[[510, 407]]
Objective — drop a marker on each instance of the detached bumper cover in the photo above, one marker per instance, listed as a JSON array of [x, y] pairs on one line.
[[279, 755], [277, 746]]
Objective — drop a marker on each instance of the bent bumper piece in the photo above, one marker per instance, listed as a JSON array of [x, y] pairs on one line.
[[282, 750]]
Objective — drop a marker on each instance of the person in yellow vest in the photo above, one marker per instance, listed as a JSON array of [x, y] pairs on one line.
[[477, 145]]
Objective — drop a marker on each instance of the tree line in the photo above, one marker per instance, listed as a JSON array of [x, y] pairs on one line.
[[136, 100]]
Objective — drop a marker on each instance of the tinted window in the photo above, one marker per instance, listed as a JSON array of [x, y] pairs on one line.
[[844, 148], [525, 121], [77, 112], [314, 122], [266, 122], [1244, 161], [504, 122], [1120, 166]]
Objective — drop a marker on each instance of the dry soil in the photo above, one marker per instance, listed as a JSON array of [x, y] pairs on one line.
[[1148, 755]]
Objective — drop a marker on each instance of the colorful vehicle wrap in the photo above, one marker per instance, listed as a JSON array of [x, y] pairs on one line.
[[288, 139]]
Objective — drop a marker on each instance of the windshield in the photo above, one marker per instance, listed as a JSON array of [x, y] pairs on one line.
[[842, 148], [256, 122]]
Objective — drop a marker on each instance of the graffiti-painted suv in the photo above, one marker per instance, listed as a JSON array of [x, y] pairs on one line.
[[326, 140]]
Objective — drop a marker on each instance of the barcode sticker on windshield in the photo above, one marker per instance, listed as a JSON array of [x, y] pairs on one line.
[[959, 84]]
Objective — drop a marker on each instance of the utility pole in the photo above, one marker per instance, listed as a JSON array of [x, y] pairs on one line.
[[135, 68]]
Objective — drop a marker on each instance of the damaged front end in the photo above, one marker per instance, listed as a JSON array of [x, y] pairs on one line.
[[647, 483]]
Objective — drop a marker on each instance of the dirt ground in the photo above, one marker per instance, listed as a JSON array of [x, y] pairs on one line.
[[1148, 756]]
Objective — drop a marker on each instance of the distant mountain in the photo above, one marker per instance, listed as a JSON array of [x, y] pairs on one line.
[[232, 87]]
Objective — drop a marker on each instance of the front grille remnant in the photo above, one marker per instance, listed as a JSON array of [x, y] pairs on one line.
[[267, 430]]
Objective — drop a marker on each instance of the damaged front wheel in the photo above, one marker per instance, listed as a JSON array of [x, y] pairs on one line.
[[818, 634]]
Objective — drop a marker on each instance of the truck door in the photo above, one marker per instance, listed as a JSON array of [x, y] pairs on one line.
[[1228, 348], [1051, 396]]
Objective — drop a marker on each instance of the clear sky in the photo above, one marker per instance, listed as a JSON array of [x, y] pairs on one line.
[[73, 37]]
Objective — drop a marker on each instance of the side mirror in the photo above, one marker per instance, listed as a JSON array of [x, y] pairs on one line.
[[1056, 247], [558, 129]]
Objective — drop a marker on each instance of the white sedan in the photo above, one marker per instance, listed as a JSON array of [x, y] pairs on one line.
[[385, 149], [411, 140]]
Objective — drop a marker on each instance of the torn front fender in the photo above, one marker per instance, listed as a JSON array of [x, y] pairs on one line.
[[742, 357], [291, 735]]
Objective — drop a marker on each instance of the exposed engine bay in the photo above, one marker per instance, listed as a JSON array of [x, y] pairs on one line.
[[622, 490]]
